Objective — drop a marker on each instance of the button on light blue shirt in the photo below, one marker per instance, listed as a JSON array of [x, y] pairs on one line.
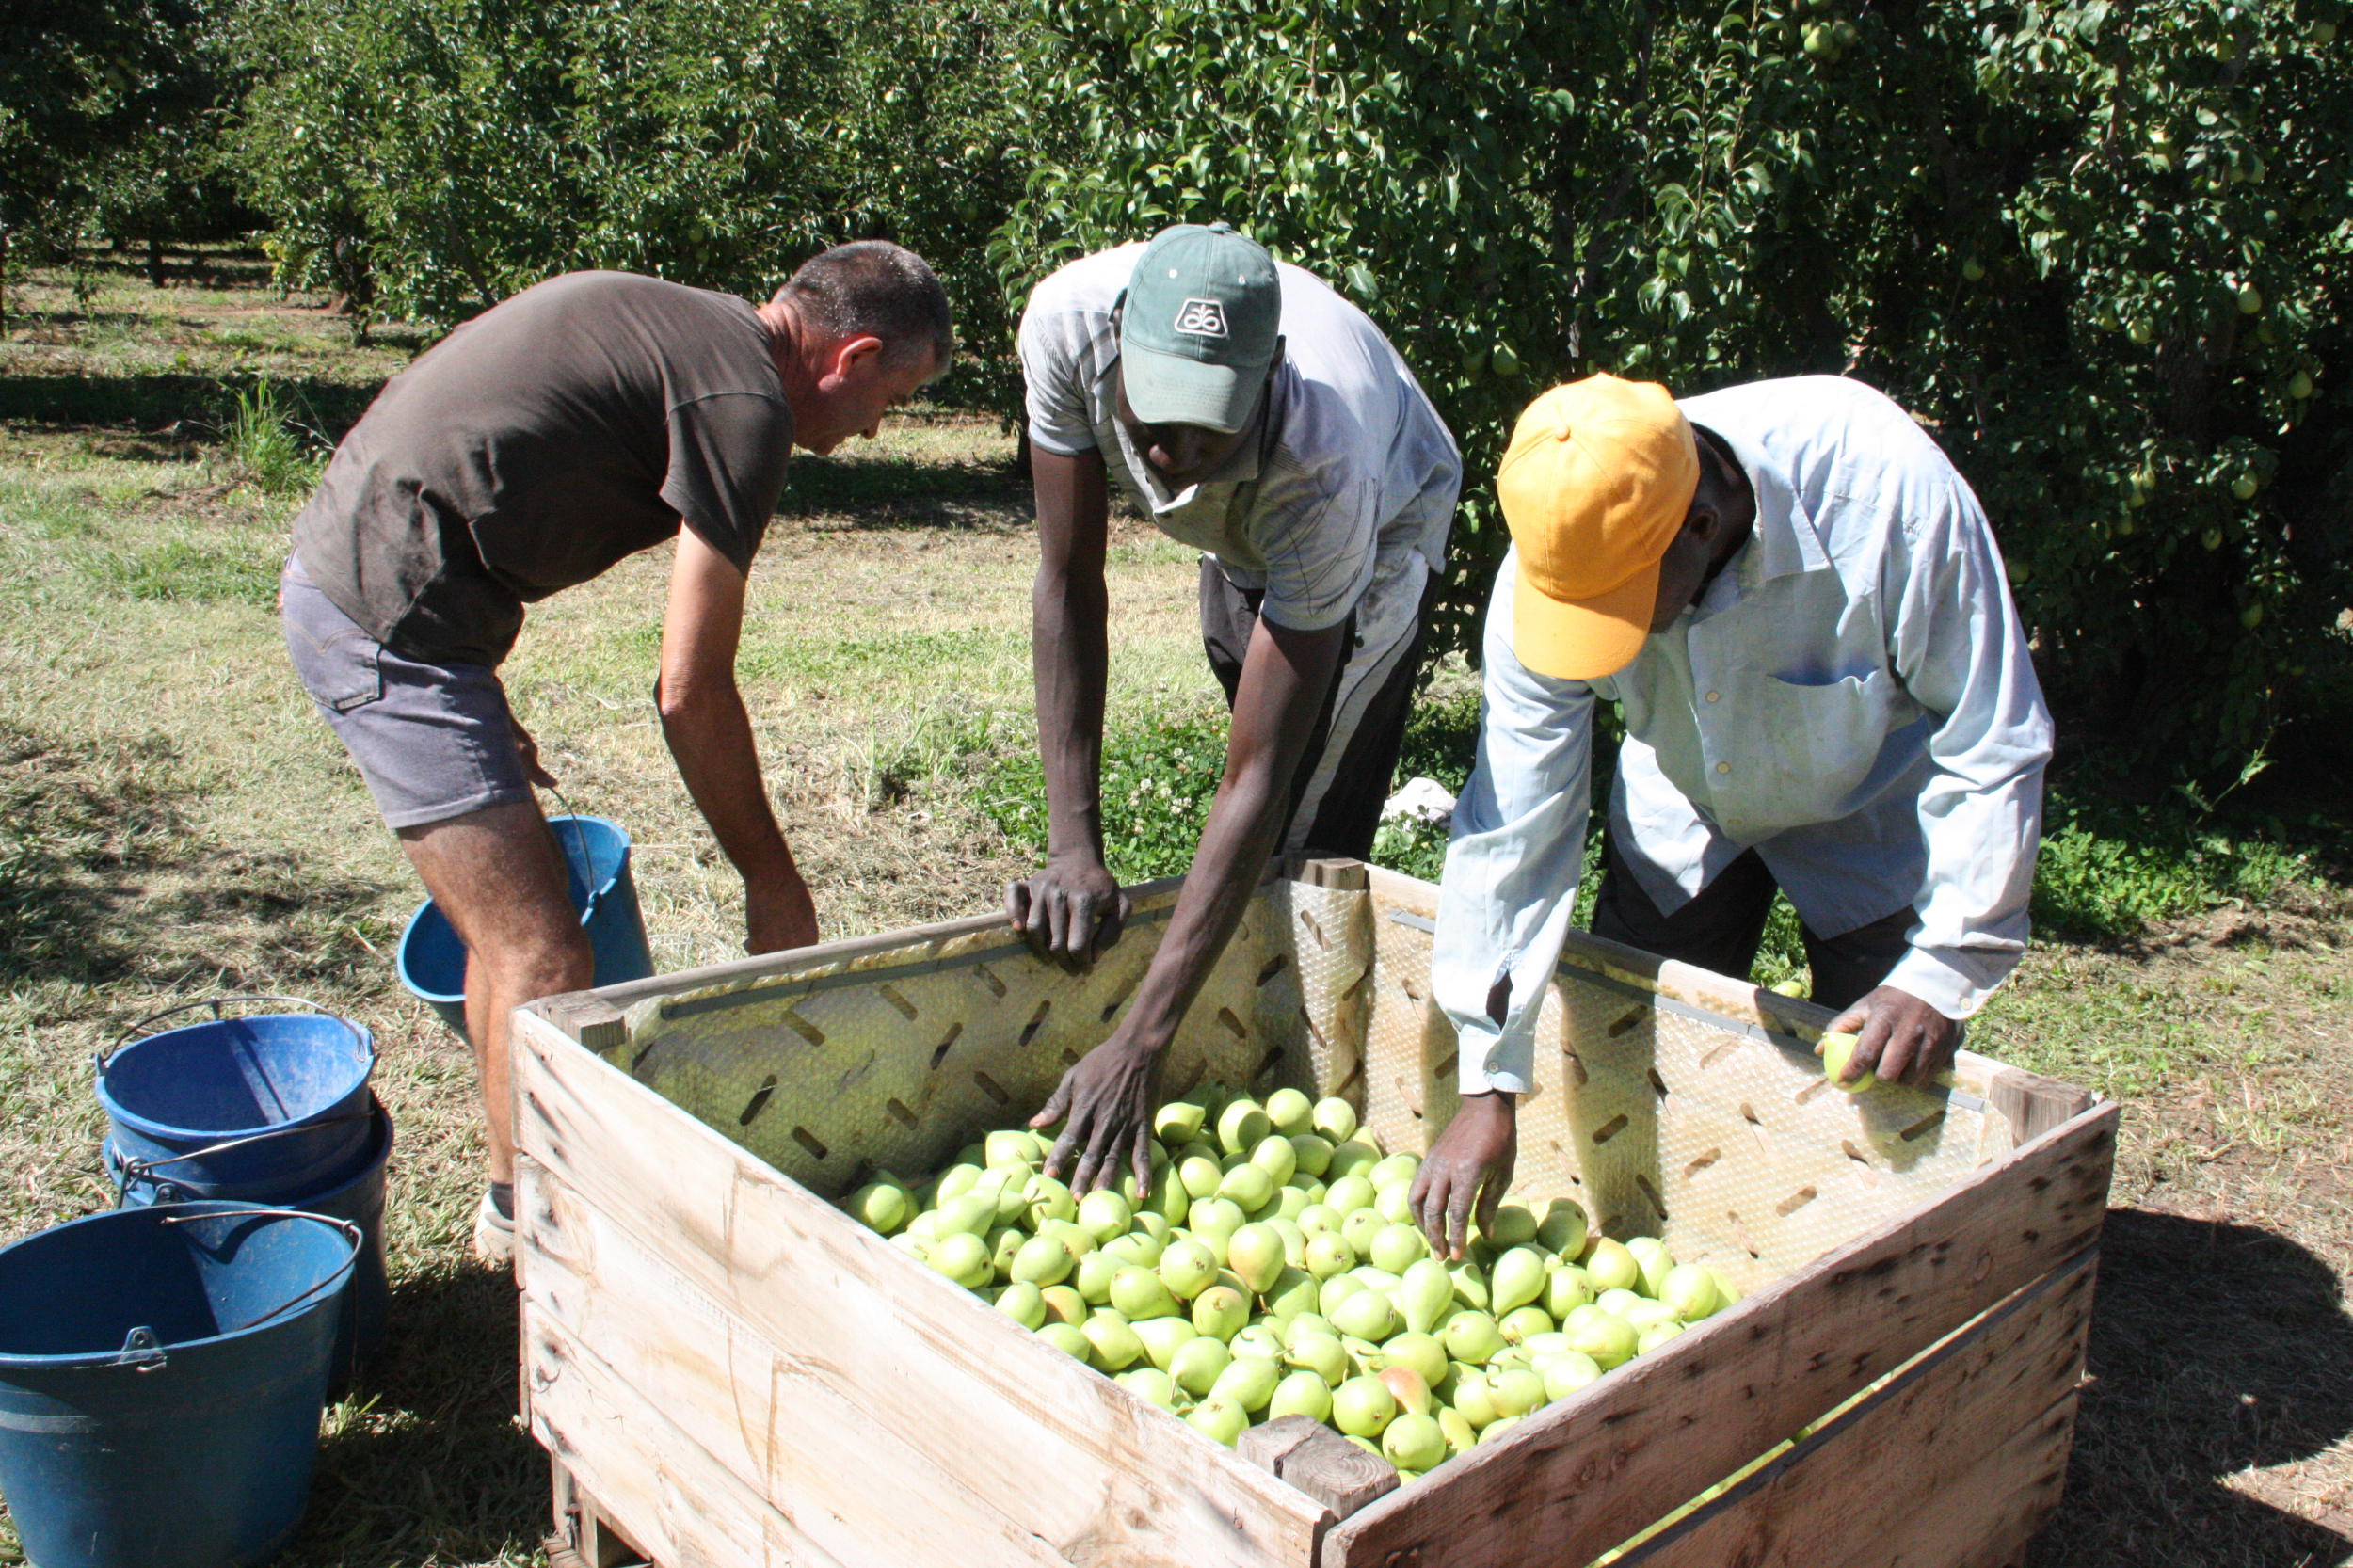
[[1852, 697]]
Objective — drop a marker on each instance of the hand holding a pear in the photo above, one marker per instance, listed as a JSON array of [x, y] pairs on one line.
[[1468, 1170], [1900, 1037], [1109, 1098]]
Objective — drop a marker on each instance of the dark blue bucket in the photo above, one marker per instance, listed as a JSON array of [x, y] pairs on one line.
[[595, 859], [162, 1371], [356, 1195], [235, 1106]]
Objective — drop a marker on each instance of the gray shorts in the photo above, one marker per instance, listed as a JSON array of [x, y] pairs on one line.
[[433, 741]]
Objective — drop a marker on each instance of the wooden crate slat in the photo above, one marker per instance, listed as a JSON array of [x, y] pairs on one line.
[[1103, 1477], [1595, 1469], [758, 1412], [1951, 1466], [676, 1502]]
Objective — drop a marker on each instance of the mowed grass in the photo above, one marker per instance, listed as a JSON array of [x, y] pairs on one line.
[[175, 821]]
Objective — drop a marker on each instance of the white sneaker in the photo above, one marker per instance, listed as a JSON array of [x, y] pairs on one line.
[[494, 1235]]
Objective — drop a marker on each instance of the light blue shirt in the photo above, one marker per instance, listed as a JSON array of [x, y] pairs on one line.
[[1852, 697]]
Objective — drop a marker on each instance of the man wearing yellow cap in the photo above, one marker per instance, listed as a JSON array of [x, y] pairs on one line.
[[1800, 605]]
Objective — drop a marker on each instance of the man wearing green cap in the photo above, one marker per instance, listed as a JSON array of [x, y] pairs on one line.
[[1250, 411], [1799, 603]]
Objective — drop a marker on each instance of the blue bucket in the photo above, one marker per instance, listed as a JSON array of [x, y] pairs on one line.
[[235, 1106], [596, 861], [162, 1371], [356, 1195]]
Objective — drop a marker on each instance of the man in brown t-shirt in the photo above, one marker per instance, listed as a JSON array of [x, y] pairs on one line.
[[576, 424]]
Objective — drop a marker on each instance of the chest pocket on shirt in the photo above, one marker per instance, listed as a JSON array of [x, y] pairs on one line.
[[1827, 732]]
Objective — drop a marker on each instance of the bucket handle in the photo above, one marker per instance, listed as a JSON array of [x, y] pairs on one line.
[[580, 838], [140, 1029], [359, 1240], [141, 1350], [134, 1169]]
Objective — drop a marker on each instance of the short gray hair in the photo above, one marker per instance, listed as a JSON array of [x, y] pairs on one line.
[[879, 289]]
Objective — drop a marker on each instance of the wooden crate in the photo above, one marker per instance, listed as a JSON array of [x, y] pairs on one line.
[[728, 1372]]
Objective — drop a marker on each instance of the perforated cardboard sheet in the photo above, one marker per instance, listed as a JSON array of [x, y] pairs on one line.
[[1661, 1116]]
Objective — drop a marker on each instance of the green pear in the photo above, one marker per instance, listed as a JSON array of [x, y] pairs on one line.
[[1247, 1187], [1274, 1155], [1011, 1148], [1179, 1122], [1352, 1157], [1420, 1351], [1689, 1291], [1470, 1284], [1064, 1304], [973, 1214], [1366, 1315], [1516, 1392], [1311, 1155], [1138, 1247], [1514, 1226], [1415, 1442], [1397, 1248], [1726, 1294], [1197, 1363], [1360, 1227], [1561, 1231], [1620, 1302], [1163, 1338], [1347, 1195], [1293, 1201], [1199, 1177], [883, 1206], [1222, 1419], [1255, 1253], [1166, 1201], [1137, 1293], [1518, 1278], [1261, 1338], [1050, 1199], [1611, 1266], [1335, 1119], [1150, 1384], [1104, 1214], [1069, 1235], [1475, 1399], [1363, 1407], [1248, 1380], [923, 1227], [1653, 1259], [1307, 1322], [1376, 1279], [1097, 1271], [1650, 1313], [955, 1182], [1655, 1334], [1499, 1426], [1291, 1112], [1321, 1354], [1472, 1337], [1293, 1294], [1294, 1240], [963, 1258], [1067, 1340], [1240, 1125], [1213, 1222], [1396, 1171], [1567, 1372], [1301, 1393], [1424, 1294], [1609, 1338], [1837, 1052], [1024, 1304], [1329, 1255], [1523, 1323], [1188, 1268], [1395, 1202], [1566, 1288], [1113, 1343], [1003, 1243], [1334, 1290], [1221, 1311], [1461, 1437]]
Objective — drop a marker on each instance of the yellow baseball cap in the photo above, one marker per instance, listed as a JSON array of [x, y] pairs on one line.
[[1598, 479]]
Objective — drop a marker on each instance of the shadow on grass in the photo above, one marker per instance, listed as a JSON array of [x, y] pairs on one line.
[[427, 1463], [184, 405], [871, 485], [2215, 1348]]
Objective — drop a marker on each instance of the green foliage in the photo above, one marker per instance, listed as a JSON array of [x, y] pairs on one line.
[[270, 451], [2110, 869], [431, 157], [1158, 781], [1960, 200]]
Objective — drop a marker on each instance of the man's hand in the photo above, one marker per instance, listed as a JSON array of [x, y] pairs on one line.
[[1109, 1097], [1470, 1169], [1902, 1038], [528, 750], [778, 914], [1070, 911]]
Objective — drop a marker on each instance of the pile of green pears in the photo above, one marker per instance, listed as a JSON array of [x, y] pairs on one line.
[[1273, 1268]]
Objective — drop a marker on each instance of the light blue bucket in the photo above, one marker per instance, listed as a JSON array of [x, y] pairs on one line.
[[595, 859]]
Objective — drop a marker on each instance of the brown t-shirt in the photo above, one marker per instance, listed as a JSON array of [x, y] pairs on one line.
[[538, 445]]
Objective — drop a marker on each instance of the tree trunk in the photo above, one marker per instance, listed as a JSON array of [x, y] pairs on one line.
[[155, 263]]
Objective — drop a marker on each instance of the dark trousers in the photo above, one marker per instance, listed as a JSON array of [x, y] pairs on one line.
[[1720, 928], [1348, 814]]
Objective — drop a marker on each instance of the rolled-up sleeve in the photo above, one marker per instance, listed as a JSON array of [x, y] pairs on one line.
[[1051, 343], [1513, 862], [1960, 651]]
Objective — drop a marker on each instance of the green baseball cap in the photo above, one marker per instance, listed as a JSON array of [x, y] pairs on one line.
[[1199, 327]]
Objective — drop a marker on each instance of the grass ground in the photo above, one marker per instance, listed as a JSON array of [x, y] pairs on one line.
[[174, 821]]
